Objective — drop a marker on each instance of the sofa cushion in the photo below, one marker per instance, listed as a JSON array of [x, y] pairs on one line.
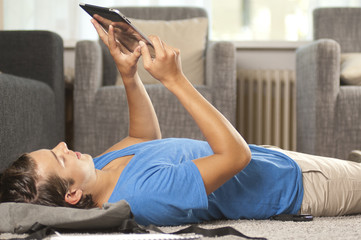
[[189, 35], [351, 68]]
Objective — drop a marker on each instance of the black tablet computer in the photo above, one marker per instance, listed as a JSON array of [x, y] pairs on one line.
[[125, 32]]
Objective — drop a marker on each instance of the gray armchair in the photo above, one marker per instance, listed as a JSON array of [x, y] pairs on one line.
[[328, 113], [31, 92], [100, 107]]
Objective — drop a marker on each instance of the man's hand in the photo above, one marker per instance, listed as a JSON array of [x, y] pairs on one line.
[[166, 66], [126, 61]]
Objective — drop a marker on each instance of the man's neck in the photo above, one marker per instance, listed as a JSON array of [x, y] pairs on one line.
[[107, 179]]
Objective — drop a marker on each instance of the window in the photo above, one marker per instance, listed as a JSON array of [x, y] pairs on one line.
[[66, 17], [268, 19], [237, 20]]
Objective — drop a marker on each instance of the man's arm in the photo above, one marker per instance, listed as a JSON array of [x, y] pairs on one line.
[[143, 121], [231, 152]]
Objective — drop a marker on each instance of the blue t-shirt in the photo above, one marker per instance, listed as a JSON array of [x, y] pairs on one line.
[[164, 187]]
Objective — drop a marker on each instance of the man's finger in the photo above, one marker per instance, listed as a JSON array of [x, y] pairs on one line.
[[111, 39], [147, 59], [137, 52], [158, 46], [102, 34], [104, 21]]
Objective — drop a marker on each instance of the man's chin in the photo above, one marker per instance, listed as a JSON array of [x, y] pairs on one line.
[[87, 157], [90, 159]]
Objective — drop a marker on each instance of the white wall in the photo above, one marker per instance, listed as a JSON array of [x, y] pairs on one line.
[[69, 63], [1, 11], [267, 55]]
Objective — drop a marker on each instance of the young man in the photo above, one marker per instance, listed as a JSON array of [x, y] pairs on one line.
[[178, 181]]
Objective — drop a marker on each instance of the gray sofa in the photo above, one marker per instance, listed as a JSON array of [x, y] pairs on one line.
[[100, 107], [328, 113], [31, 92]]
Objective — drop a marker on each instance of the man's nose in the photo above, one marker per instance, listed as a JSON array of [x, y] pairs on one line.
[[63, 147]]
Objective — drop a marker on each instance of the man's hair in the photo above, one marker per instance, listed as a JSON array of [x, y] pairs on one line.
[[21, 183]]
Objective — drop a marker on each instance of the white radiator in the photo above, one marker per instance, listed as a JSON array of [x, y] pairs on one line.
[[267, 107]]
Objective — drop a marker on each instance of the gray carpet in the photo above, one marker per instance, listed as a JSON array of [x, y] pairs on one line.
[[320, 228]]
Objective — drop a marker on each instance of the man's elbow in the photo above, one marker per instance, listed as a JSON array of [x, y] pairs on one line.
[[158, 135], [244, 157]]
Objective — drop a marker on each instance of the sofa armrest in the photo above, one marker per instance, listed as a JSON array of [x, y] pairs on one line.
[[318, 71], [220, 72], [317, 86], [28, 118], [88, 79], [37, 55], [88, 65], [33, 54]]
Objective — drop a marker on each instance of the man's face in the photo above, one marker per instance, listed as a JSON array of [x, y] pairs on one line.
[[66, 164]]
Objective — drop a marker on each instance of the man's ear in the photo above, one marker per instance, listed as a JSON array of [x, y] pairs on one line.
[[73, 196]]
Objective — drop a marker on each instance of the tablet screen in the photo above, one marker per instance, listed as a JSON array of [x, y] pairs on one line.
[[125, 33]]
